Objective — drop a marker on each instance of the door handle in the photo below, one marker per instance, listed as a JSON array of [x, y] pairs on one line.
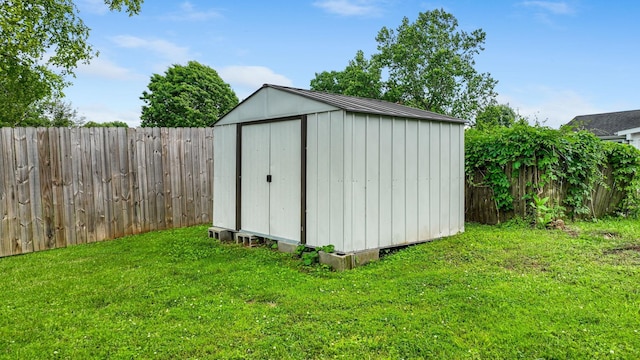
[[268, 178]]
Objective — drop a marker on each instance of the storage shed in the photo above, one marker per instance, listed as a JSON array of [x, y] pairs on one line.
[[314, 168]]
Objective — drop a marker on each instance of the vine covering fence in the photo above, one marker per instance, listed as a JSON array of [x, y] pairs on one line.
[[65, 186]]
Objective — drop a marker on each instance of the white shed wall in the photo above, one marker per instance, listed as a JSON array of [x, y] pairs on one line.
[[224, 176], [375, 181]]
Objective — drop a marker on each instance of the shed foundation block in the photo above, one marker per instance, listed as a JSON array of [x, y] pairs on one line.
[[336, 261], [286, 247], [221, 234], [364, 257], [248, 240]]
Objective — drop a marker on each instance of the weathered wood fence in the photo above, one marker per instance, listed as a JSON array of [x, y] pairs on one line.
[[65, 186], [480, 205]]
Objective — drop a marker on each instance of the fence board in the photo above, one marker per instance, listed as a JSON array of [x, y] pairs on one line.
[[158, 186], [165, 144], [34, 189]]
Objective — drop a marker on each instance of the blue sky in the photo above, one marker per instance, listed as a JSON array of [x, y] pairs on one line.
[[553, 59]]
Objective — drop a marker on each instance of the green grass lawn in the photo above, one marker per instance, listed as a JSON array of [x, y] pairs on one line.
[[492, 292]]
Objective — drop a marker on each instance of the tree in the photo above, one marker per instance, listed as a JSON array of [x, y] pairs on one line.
[[496, 115], [360, 78], [91, 124], [186, 96], [429, 65], [48, 113], [41, 42]]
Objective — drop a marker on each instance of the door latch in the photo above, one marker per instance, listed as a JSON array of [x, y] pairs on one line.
[[269, 178]]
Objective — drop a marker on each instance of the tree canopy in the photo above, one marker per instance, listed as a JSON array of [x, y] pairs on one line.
[[360, 78], [186, 96], [495, 115], [41, 42], [93, 124], [429, 64]]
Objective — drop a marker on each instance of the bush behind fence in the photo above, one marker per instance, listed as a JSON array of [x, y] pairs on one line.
[[66, 186]]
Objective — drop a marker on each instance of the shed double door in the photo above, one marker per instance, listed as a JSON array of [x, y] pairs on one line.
[[271, 179]]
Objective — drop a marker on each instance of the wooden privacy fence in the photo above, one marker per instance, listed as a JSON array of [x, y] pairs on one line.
[[65, 186], [480, 205]]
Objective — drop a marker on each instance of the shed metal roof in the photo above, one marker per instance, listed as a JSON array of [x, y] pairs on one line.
[[367, 106], [607, 124]]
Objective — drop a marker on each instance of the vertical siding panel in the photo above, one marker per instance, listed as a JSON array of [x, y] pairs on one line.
[[461, 175], [372, 211], [324, 180], [336, 180], [398, 190], [312, 180], [385, 181], [348, 182], [434, 179], [359, 192], [456, 181], [224, 176], [445, 179], [206, 174], [411, 181], [423, 181]]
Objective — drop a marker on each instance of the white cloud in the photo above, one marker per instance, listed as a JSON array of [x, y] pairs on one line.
[[349, 7], [188, 12], [553, 7], [246, 79], [102, 113], [104, 68], [165, 49], [553, 107]]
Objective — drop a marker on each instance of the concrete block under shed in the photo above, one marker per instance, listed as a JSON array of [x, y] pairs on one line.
[[286, 247], [348, 261], [223, 235], [248, 240], [336, 261], [364, 257]]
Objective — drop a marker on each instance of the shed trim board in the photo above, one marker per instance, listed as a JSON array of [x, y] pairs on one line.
[[366, 180]]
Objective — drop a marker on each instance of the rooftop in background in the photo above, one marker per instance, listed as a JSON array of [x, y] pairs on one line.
[[607, 124]]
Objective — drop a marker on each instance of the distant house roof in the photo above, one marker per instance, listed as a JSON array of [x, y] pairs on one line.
[[367, 106], [607, 124]]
